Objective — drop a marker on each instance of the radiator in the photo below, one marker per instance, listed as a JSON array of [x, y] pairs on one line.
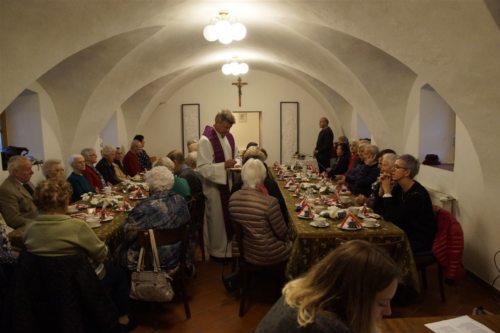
[[442, 200]]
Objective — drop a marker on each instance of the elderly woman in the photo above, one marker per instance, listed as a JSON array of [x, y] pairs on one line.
[[270, 184], [162, 210], [258, 213], [342, 162], [90, 172], [407, 204], [181, 185], [349, 290], [78, 182], [105, 165], [53, 168], [53, 234]]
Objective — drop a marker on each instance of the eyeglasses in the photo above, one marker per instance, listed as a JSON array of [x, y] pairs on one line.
[[399, 167]]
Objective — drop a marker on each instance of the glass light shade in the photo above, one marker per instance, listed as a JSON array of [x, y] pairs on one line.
[[226, 69], [243, 68], [226, 38], [210, 33], [238, 31]]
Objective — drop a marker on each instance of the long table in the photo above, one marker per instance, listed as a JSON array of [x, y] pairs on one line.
[[416, 324], [311, 244]]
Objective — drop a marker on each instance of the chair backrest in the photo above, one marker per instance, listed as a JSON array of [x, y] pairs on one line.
[[238, 238], [166, 237]]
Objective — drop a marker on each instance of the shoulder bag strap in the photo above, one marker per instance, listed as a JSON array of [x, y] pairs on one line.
[[140, 259], [156, 258]]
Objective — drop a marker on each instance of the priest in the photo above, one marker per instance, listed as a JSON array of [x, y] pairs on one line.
[[217, 154]]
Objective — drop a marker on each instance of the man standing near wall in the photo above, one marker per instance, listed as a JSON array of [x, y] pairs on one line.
[[324, 145], [216, 155]]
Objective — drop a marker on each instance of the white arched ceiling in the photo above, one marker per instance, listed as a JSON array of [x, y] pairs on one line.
[[452, 45]]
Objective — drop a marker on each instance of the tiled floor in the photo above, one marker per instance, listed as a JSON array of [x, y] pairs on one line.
[[214, 310]]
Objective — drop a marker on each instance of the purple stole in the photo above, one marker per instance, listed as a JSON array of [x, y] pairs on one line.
[[219, 157]]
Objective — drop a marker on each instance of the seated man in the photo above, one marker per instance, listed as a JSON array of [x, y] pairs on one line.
[[90, 172], [145, 161], [16, 193], [407, 204], [361, 182], [131, 159], [78, 182]]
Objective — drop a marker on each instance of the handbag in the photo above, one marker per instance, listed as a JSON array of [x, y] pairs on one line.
[[151, 286]]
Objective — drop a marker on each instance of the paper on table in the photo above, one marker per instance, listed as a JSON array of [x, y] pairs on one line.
[[463, 324]]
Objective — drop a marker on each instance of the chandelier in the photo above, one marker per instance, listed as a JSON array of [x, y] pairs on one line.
[[225, 29], [235, 67]]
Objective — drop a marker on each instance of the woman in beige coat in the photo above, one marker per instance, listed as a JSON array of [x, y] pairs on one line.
[[259, 214]]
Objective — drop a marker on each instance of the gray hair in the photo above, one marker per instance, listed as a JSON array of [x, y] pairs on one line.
[[411, 163], [134, 144], [166, 162], [73, 157], [372, 149], [190, 142], [253, 152], [390, 158], [225, 115], [86, 152], [108, 150], [15, 162], [159, 179], [49, 165], [253, 173]]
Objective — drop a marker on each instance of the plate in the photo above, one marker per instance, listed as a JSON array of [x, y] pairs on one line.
[[305, 218], [376, 225], [319, 224], [373, 215], [109, 218], [347, 229], [94, 225]]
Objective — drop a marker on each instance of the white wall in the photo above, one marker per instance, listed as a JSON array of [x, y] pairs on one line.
[[214, 92]]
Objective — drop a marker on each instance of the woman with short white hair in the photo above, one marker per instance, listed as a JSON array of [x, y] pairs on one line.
[[78, 182], [258, 213], [162, 210], [105, 165], [181, 186]]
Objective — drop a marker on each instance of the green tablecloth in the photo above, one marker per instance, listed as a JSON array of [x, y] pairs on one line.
[[310, 244]]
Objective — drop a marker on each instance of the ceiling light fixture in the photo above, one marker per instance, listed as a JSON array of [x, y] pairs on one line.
[[235, 67], [225, 29]]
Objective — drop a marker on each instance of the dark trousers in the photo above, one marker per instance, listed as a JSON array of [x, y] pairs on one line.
[[323, 162], [116, 281]]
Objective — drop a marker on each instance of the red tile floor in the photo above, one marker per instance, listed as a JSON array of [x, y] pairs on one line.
[[214, 310]]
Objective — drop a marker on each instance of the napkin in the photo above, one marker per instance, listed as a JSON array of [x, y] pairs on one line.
[[350, 222]]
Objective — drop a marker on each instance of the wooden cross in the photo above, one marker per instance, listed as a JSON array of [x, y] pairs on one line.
[[239, 84]]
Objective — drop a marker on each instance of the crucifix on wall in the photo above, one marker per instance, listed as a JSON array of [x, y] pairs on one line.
[[239, 84]]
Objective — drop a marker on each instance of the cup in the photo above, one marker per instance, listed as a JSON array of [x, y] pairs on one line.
[[369, 222]]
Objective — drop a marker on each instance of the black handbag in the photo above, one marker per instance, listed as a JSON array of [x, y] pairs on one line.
[[231, 281]]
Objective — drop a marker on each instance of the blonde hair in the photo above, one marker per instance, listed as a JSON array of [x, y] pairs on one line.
[[52, 195], [344, 284]]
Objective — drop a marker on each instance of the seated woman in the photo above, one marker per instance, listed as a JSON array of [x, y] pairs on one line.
[[264, 230], [53, 233], [162, 210], [269, 183], [407, 204], [181, 185], [342, 162], [105, 165], [53, 168], [78, 182], [347, 291]]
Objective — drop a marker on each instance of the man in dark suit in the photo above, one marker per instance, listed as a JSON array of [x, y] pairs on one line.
[[16, 193], [324, 145]]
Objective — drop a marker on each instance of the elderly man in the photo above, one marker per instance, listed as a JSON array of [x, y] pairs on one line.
[[324, 145], [144, 160], [192, 145], [16, 193], [361, 182], [53, 168], [78, 182], [105, 165], [90, 172], [131, 159], [216, 154]]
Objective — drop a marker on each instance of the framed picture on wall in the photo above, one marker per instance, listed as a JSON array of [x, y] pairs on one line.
[[289, 130], [190, 116]]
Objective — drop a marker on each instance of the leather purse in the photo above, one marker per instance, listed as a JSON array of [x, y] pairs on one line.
[[151, 286]]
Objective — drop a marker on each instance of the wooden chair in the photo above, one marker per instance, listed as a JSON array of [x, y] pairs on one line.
[[427, 259], [247, 270], [169, 237], [197, 211]]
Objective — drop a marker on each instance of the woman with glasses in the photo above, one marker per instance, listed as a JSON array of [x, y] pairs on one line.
[[407, 204]]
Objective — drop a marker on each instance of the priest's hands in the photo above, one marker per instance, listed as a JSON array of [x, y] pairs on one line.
[[230, 164]]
